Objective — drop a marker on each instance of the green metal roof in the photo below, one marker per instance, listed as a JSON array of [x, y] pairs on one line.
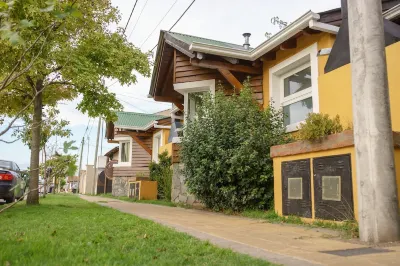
[[136, 120], [189, 39]]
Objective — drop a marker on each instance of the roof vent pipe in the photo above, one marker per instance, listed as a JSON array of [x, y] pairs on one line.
[[246, 44]]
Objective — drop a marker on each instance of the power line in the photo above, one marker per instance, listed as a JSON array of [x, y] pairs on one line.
[[141, 99], [137, 19], [90, 131], [130, 16], [158, 23], [132, 105], [178, 20]]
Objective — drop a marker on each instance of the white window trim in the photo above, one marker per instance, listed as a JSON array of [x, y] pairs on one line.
[[156, 150], [123, 140], [195, 86], [288, 67]]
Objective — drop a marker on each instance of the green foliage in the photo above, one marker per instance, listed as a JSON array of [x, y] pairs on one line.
[[61, 166], [226, 151], [68, 146], [317, 126], [51, 126], [162, 173], [67, 50]]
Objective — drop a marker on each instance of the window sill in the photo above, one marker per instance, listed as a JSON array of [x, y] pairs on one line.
[[293, 127]]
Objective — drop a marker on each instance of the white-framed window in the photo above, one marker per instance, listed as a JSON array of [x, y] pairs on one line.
[[157, 143], [294, 86], [125, 152], [191, 92]]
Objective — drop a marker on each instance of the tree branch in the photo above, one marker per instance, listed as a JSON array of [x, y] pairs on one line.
[[10, 78], [9, 142], [20, 113]]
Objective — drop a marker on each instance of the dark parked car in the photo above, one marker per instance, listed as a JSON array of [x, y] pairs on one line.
[[12, 182]]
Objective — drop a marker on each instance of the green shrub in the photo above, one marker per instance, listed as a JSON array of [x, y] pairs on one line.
[[318, 126], [162, 173], [226, 151]]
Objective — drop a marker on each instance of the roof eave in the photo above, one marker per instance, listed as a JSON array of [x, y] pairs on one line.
[[154, 77], [392, 13], [285, 34]]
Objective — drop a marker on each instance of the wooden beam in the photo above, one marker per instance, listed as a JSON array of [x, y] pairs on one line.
[[132, 133], [230, 78], [231, 60], [257, 63], [271, 56], [165, 99], [308, 32], [225, 65], [138, 141], [112, 141], [289, 44], [179, 105], [174, 66]]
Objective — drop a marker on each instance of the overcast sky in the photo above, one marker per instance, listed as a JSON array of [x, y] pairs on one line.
[[224, 20]]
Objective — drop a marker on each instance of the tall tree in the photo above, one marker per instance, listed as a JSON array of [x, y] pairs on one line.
[[73, 50]]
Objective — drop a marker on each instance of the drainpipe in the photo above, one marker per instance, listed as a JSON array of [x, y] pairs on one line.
[[378, 210]]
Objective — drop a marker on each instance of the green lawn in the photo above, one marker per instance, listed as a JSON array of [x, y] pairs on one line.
[[65, 230]]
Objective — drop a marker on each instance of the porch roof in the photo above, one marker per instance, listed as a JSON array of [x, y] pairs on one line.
[[137, 121]]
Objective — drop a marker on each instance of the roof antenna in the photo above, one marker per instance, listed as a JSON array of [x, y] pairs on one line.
[[246, 44]]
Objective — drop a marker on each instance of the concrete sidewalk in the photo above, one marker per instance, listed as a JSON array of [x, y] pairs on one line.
[[282, 244]]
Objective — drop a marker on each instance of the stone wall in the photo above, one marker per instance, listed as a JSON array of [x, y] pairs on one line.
[[120, 186], [179, 189]]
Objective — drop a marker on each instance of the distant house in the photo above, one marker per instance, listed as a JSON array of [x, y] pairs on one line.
[[141, 137], [71, 183], [303, 68]]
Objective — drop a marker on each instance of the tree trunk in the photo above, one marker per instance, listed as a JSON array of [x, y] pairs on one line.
[[33, 196]]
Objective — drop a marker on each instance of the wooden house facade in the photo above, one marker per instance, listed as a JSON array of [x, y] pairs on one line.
[[140, 138], [304, 68]]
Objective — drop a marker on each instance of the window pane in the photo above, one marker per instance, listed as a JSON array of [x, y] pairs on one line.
[[297, 82], [125, 152], [298, 111], [195, 100]]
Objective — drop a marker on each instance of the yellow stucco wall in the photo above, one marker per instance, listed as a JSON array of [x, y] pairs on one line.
[[323, 40], [167, 147], [348, 150], [278, 175], [335, 96]]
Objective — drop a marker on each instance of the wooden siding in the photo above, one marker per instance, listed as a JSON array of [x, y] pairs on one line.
[[185, 72], [140, 160]]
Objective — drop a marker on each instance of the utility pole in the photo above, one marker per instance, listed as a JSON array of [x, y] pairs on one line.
[[95, 157], [88, 147], [102, 137], [80, 164], [378, 210]]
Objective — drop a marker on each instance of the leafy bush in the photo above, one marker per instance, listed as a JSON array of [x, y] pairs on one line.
[[226, 151], [162, 173], [318, 126]]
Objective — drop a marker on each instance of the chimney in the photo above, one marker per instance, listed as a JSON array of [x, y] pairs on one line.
[[246, 44]]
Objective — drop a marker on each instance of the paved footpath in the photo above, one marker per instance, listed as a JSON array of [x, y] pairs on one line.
[[282, 244]]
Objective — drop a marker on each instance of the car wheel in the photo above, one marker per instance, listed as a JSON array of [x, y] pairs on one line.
[[10, 200]]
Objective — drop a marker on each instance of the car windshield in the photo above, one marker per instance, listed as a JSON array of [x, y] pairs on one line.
[[5, 165]]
